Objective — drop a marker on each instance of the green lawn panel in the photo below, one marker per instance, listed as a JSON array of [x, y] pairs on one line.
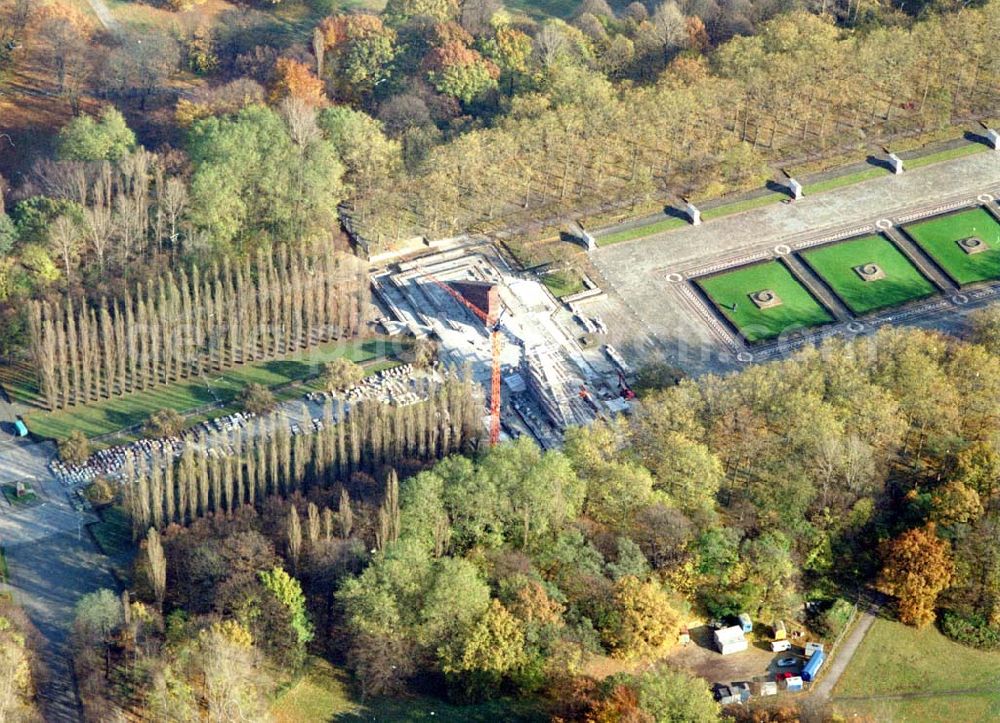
[[938, 238], [834, 263], [111, 415], [798, 310]]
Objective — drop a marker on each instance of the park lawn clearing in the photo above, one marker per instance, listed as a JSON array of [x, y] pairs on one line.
[[835, 263], [730, 292], [935, 678], [219, 388], [969, 708], [939, 237], [323, 693], [895, 659]]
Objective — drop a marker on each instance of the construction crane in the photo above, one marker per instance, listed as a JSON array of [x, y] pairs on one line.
[[493, 326]]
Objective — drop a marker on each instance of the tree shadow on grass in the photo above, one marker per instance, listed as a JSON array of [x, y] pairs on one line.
[[290, 369]]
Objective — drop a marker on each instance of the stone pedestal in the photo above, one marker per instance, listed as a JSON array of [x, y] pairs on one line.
[[795, 189], [895, 163], [869, 272], [765, 299], [694, 214], [993, 139], [972, 245]]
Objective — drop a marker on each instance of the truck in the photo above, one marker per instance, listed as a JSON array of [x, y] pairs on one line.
[[812, 667]]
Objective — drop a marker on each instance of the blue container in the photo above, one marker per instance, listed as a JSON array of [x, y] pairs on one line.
[[812, 667], [22, 431], [745, 623]]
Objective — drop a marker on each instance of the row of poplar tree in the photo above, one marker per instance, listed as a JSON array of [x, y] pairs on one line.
[[267, 459], [185, 325]]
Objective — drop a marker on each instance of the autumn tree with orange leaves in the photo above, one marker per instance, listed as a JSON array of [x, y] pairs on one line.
[[293, 79], [916, 567]]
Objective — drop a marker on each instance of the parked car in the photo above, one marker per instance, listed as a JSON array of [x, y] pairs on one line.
[[720, 691], [787, 662]]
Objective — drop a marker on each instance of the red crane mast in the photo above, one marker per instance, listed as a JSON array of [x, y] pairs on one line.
[[493, 326]]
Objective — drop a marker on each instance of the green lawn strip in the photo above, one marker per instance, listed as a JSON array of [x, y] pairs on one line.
[[798, 309], [114, 531], [897, 659], [740, 206], [113, 414], [563, 282], [642, 231], [947, 155], [834, 263], [4, 572], [938, 237], [831, 184]]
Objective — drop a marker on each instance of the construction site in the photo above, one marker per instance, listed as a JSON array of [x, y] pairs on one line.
[[543, 362]]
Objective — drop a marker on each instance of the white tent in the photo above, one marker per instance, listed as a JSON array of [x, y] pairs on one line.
[[730, 640]]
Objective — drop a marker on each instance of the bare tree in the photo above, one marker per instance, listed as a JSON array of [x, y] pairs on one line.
[[65, 237]]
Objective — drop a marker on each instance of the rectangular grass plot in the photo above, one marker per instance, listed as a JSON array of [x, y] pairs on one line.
[[868, 273], [763, 301], [966, 244]]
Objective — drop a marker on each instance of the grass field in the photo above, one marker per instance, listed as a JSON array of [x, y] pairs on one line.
[[948, 681], [564, 282], [112, 415], [835, 263], [938, 238], [798, 310], [322, 694]]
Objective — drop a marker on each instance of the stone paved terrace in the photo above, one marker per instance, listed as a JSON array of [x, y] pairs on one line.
[[647, 313]]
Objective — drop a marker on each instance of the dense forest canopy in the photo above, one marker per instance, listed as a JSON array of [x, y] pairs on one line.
[[511, 571], [436, 118]]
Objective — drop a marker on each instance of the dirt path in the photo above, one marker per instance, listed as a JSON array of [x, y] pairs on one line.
[[104, 15], [849, 646]]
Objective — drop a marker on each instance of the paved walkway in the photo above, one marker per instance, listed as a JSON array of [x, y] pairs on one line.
[[103, 14], [845, 652], [52, 562], [643, 305]]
